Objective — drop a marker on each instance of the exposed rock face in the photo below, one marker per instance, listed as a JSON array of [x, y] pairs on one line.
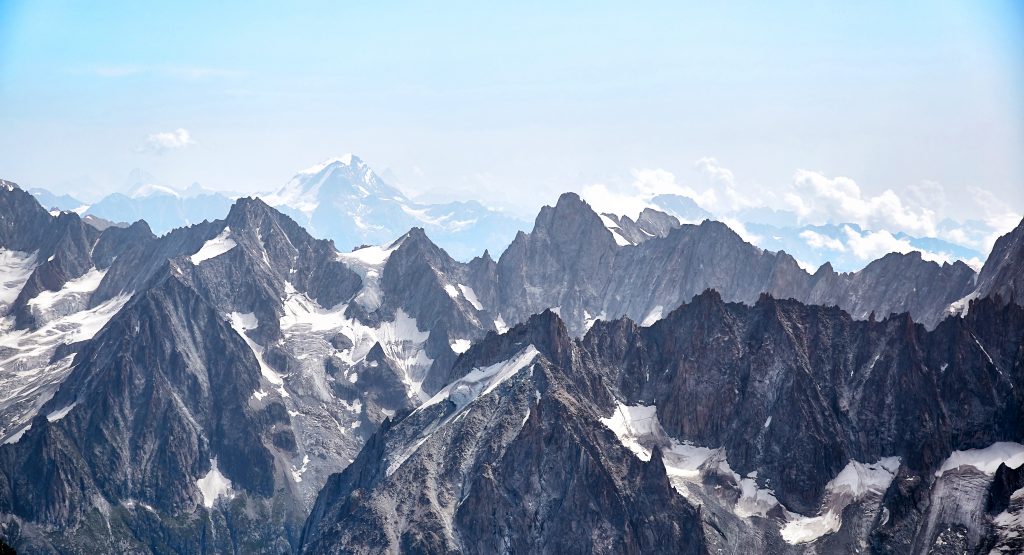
[[1002, 274], [155, 404], [510, 462], [192, 392], [650, 223], [788, 395], [571, 260], [250, 345]]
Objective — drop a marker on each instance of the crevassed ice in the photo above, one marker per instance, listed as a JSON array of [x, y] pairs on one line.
[[638, 429], [853, 483], [70, 298], [27, 376], [986, 460], [401, 338], [15, 269], [368, 263]]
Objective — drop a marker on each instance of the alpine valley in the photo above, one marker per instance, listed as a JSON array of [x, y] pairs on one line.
[[241, 380]]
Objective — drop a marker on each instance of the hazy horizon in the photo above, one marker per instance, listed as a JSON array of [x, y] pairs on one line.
[[892, 117]]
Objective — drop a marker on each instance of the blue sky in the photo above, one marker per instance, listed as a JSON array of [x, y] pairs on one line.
[[517, 103]]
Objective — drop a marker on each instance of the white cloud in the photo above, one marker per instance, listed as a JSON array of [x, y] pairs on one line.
[[604, 200], [806, 266], [998, 218], [741, 230], [818, 199], [721, 197], [732, 199], [632, 198], [928, 194], [817, 240], [871, 245], [715, 171], [975, 263], [158, 143]]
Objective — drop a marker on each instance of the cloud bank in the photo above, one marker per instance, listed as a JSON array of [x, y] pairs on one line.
[[159, 143]]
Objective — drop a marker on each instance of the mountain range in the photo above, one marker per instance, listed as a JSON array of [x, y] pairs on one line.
[[371, 211], [605, 385], [376, 212]]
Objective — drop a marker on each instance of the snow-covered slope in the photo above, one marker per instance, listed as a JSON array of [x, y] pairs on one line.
[[344, 200]]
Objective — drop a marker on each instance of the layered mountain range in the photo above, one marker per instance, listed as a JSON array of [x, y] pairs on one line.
[[341, 199], [605, 385], [346, 200]]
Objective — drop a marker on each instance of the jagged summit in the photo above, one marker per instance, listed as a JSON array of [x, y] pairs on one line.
[[588, 375]]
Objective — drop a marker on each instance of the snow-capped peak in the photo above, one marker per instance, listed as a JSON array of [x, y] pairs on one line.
[[150, 189], [346, 179], [348, 159]]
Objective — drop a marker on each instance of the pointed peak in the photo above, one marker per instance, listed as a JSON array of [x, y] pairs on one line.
[[415, 238], [570, 200], [417, 234], [708, 297], [248, 205]]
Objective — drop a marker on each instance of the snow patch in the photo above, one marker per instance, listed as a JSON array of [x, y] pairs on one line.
[[60, 413], [470, 295], [481, 381], [451, 290], [460, 345], [213, 485], [214, 247], [500, 325], [243, 323], [298, 472], [477, 383], [960, 307], [17, 437], [616, 232], [589, 320], [653, 316]]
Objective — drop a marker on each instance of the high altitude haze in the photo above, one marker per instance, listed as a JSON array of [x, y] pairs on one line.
[[519, 103]]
